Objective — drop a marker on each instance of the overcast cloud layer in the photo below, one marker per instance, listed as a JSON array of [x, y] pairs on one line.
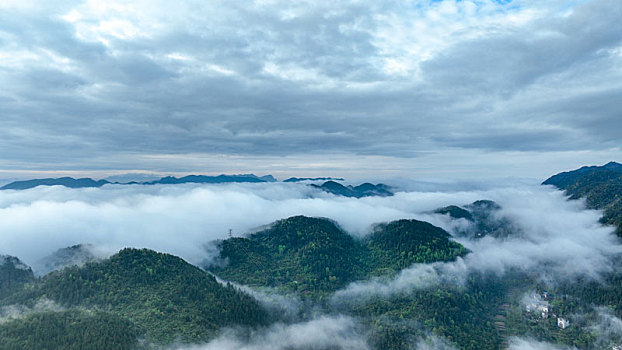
[[309, 87]]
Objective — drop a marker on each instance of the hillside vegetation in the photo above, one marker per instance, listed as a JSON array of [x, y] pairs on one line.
[[313, 256], [162, 296], [14, 274], [68, 330]]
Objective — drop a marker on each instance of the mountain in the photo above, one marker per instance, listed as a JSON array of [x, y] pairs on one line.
[[163, 297], [76, 255], [268, 178], [312, 256], [206, 179], [87, 182], [62, 181], [484, 219], [399, 244], [601, 186], [302, 254], [299, 179], [13, 275], [569, 178], [363, 190], [455, 212]]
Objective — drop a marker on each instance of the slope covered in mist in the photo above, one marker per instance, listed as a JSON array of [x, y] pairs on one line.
[[601, 186], [13, 275], [483, 218]]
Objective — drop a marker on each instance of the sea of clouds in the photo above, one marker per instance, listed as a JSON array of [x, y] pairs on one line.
[[555, 238], [181, 219]]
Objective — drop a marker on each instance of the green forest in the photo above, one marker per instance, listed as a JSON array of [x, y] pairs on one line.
[[159, 296], [314, 256]]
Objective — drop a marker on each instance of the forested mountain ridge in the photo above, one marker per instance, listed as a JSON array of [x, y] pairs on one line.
[[567, 178], [483, 219], [399, 244], [13, 275], [359, 191], [601, 186], [313, 256], [163, 297], [77, 255]]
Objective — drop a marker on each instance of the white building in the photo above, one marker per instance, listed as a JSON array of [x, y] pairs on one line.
[[534, 303], [562, 323]]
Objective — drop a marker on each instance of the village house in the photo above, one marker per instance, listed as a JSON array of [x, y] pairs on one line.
[[562, 323]]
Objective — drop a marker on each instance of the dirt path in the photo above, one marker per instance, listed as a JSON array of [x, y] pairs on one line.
[[500, 318]]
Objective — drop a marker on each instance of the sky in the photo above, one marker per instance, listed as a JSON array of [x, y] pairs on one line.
[[355, 89]]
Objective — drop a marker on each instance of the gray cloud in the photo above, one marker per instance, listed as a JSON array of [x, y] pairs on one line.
[[339, 332], [433, 343], [88, 81], [11, 312], [530, 344], [608, 327]]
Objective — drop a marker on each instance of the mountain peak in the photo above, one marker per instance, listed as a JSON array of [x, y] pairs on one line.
[[61, 181], [613, 166], [362, 190]]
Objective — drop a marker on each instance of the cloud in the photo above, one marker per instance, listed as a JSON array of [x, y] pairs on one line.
[[529, 344], [287, 307], [338, 332], [433, 343], [608, 327], [555, 239], [266, 79], [11, 312], [180, 219]]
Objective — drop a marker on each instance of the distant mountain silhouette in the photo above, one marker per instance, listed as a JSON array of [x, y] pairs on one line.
[[62, 181], [210, 179], [88, 182], [363, 190], [299, 179]]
